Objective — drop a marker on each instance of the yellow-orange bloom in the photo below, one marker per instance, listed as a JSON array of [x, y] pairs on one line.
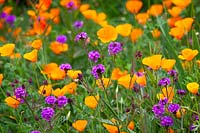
[[156, 33], [45, 90], [175, 11], [1, 78], [188, 54], [166, 93], [153, 61], [131, 125], [136, 33], [2, 1], [7, 49], [141, 80], [111, 128], [31, 56], [12, 101], [36, 44], [181, 3], [155, 10], [167, 64], [106, 83], [117, 73], [180, 113], [58, 92], [167, 3], [90, 14], [185, 24], [134, 6], [193, 87], [124, 29], [127, 81], [171, 21], [177, 32], [80, 125], [58, 48], [73, 73], [70, 88], [142, 18], [84, 7], [57, 74], [41, 27], [91, 101], [107, 34]]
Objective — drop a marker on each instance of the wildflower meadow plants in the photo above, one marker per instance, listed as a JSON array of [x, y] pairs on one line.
[[99, 66]]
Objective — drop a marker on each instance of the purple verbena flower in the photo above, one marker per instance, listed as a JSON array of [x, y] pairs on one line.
[[78, 24], [61, 39], [192, 127], [173, 73], [20, 92], [62, 101], [47, 113], [139, 74], [35, 131], [166, 121], [114, 48], [65, 67], [98, 70], [173, 107], [3, 15], [94, 56], [181, 92], [164, 82], [81, 36], [50, 100], [10, 19], [158, 110], [71, 5], [163, 101]]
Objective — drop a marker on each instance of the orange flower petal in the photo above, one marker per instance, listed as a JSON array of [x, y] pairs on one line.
[[31, 56]]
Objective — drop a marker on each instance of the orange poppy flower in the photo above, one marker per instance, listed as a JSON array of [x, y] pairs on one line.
[[16, 32], [193, 87], [49, 68], [127, 81], [2, 1], [84, 7], [58, 48], [175, 11], [181, 3], [91, 101], [188, 54], [198, 62], [141, 80], [124, 29], [41, 27], [32, 14], [177, 32], [2, 38], [153, 61], [185, 24], [131, 125], [12, 101], [70, 88], [57, 74], [180, 113], [155, 10], [7, 49], [36, 44], [80, 125], [45, 90], [117, 73], [167, 3], [15, 56], [166, 93], [106, 82], [142, 18], [58, 92], [90, 14], [171, 21], [134, 6], [31, 56], [44, 4], [155, 33], [7, 9], [73, 73], [107, 34], [1, 78], [136, 33], [111, 128], [100, 17], [55, 12], [167, 64]]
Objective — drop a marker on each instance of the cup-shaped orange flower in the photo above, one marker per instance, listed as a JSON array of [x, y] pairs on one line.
[[127, 81], [7, 49], [177, 32], [167, 3], [1, 78], [185, 24], [45, 90], [136, 33], [84, 7], [58, 92], [57, 74], [70, 88], [12, 101], [91, 101], [193, 87], [156, 33], [2, 1], [100, 18], [142, 18], [58, 48], [175, 11], [31, 56], [134, 6], [73, 73], [105, 84], [107, 34], [166, 93], [90, 14], [80, 125], [171, 21], [167, 64], [153, 61], [37, 44], [188, 54], [155, 10], [131, 125], [111, 128], [181, 3], [117, 73], [141, 80], [124, 29]]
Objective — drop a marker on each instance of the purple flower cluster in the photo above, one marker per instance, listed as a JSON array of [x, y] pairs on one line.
[[71, 5], [163, 101], [35, 131], [20, 92], [65, 67], [50, 100], [10, 19], [164, 82], [158, 110], [81, 36], [78, 24], [114, 48], [47, 113], [94, 56], [173, 107], [62, 101], [173, 73], [166, 121], [98, 70], [61, 39], [181, 92]]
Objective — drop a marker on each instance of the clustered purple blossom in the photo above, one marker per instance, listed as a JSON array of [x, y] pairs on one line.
[[61, 39], [98, 70], [181, 92], [3, 15], [158, 110], [166, 121], [62, 101], [114, 48], [173, 73], [20, 92], [163, 101], [164, 82], [173, 107], [35, 131], [47, 113], [78, 24], [10, 19], [50, 100], [65, 67], [81, 36], [94, 56]]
